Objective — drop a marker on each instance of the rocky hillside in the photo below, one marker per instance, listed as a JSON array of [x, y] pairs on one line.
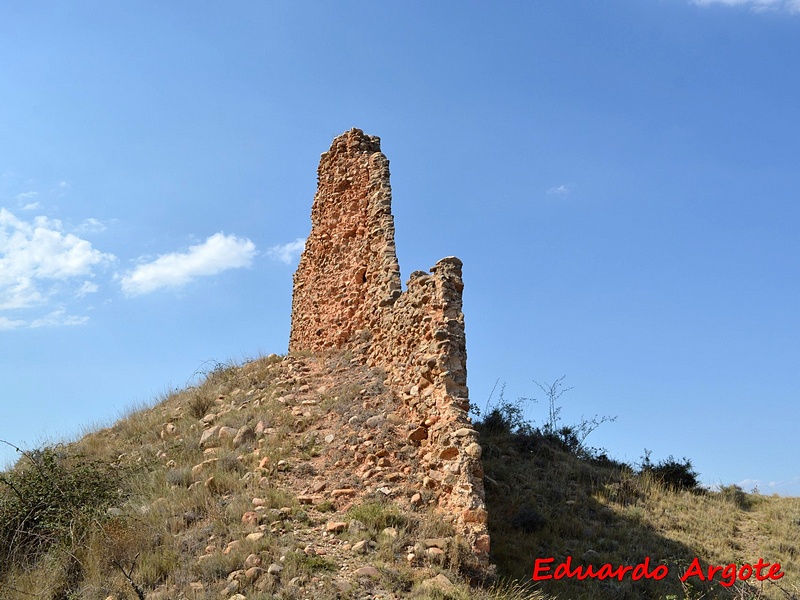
[[287, 477], [294, 477]]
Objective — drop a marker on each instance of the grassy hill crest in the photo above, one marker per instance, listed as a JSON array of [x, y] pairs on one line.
[[293, 477]]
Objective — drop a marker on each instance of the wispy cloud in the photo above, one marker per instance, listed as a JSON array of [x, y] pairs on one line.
[[58, 318], [91, 226], [38, 258], [790, 6], [26, 200], [786, 487], [746, 484], [287, 253], [561, 191], [218, 253], [61, 189], [7, 324], [88, 287]]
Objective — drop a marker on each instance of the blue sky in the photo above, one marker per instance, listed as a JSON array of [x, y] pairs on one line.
[[620, 179]]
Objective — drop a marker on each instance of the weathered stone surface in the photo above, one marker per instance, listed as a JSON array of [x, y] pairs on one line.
[[349, 265], [448, 453], [335, 526], [347, 295], [252, 560], [226, 433], [419, 434], [244, 435], [440, 543], [375, 421], [209, 435], [440, 582], [368, 571], [250, 518], [199, 468]]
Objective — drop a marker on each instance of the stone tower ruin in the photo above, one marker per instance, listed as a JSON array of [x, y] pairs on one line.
[[347, 296]]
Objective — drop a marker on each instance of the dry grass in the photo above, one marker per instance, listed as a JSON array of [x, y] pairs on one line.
[[178, 527], [544, 502]]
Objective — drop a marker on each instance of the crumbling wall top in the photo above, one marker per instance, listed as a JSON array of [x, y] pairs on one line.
[[347, 295], [349, 265]]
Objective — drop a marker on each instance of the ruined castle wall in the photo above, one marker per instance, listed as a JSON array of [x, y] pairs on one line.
[[421, 344], [347, 295], [349, 266]]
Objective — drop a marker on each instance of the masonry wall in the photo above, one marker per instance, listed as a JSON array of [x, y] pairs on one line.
[[348, 270], [347, 295]]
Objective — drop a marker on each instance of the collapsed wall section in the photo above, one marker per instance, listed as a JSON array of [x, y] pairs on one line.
[[347, 295]]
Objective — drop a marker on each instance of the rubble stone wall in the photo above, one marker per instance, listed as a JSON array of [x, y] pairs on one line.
[[347, 295], [348, 270]]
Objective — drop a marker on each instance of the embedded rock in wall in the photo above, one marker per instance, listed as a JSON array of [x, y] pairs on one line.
[[347, 295]]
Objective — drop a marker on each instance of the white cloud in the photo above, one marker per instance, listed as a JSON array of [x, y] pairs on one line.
[[749, 482], [218, 253], [28, 199], [287, 253], [791, 6], [61, 189], [786, 487], [559, 190], [88, 287], [7, 324], [37, 256], [91, 226], [58, 318]]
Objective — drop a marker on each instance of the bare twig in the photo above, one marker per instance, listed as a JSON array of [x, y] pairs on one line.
[[128, 573]]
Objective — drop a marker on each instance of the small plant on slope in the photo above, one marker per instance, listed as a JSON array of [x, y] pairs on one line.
[[47, 499]]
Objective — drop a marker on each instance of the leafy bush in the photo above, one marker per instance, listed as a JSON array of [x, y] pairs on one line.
[[505, 417], [736, 495], [508, 418], [671, 472], [571, 437], [47, 499]]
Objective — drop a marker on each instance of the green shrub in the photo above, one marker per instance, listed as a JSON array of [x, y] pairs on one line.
[[736, 495], [47, 499], [376, 515], [506, 418], [671, 472]]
